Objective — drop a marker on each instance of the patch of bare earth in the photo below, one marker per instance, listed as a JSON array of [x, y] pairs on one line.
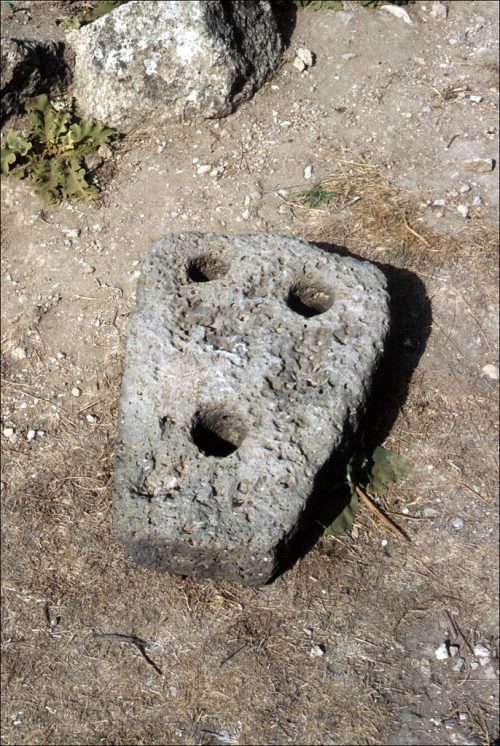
[[225, 663]]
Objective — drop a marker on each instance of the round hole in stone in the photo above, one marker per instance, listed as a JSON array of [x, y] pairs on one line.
[[217, 432], [206, 268], [310, 298]]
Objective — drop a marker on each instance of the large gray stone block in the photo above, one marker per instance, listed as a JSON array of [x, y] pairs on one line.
[[247, 358], [147, 62]]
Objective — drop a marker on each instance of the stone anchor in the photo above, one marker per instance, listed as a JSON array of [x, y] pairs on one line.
[[246, 358]]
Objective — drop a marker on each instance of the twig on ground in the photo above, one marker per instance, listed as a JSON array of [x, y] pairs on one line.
[[458, 632], [141, 645], [233, 654], [385, 520]]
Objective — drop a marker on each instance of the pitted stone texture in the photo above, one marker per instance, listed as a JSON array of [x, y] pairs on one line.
[[30, 67], [247, 357], [147, 62]]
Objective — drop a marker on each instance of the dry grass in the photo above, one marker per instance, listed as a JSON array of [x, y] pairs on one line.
[[366, 211]]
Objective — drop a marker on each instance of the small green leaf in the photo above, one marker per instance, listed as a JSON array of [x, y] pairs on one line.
[[388, 467], [48, 124], [86, 133], [71, 22], [106, 6], [74, 184], [76, 22], [15, 146], [8, 158], [47, 176], [15, 142], [345, 520]]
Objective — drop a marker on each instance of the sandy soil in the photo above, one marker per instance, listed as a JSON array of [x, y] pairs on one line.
[[384, 118]]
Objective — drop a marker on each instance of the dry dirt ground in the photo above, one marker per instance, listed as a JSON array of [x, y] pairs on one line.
[[384, 129]]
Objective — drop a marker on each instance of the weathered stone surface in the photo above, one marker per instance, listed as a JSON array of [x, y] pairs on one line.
[[30, 67], [247, 357], [147, 62]]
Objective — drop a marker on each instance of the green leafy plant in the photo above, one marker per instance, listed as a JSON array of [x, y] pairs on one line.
[[101, 9], [317, 196], [368, 477], [52, 154]]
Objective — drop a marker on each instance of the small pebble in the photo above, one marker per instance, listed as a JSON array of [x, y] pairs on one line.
[[477, 201], [308, 172], [477, 165], [317, 651], [91, 418], [463, 210], [349, 56], [76, 391], [464, 188], [304, 58], [400, 13], [439, 11], [453, 650], [384, 542], [457, 523], [430, 513], [31, 434], [474, 665], [441, 652], [9, 432], [71, 232], [255, 196], [459, 664], [482, 652], [491, 372], [476, 99], [204, 169], [104, 151], [19, 353]]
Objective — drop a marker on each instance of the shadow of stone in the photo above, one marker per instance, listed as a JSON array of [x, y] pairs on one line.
[[32, 67], [285, 13], [410, 326]]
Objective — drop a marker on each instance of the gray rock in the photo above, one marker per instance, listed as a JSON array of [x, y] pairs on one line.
[[248, 358], [30, 67], [478, 165], [145, 63]]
